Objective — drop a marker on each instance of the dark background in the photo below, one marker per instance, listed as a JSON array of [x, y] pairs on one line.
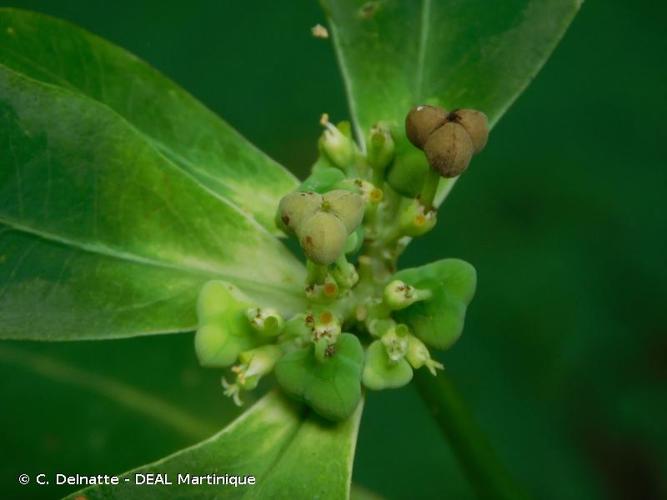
[[564, 356]]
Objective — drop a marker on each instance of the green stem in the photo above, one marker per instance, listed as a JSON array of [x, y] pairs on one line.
[[486, 473], [430, 188]]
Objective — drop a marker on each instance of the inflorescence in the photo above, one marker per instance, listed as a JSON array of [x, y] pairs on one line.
[[364, 323]]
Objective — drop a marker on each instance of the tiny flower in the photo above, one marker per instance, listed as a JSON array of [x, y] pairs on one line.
[[266, 321], [399, 295]]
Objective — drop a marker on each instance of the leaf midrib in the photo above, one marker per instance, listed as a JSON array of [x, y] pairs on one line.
[[136, 259], [127, 256], [424, 31], [156, 146]]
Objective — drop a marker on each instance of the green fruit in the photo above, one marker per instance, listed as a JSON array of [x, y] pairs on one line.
[[354, 241], [449, 149], [380, 147], [348, 206], [323, 177], [439, 320], [421, 121], [337, 145], [380, 372], [407, 173], [475, 123], [331, 387], [224, 330], [323, 237], [297, 207]]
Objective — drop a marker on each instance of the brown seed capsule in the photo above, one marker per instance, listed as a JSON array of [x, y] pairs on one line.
[[422, 121], [476, 124], [449, 149]]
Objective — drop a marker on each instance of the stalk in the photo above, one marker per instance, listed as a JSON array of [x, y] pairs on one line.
[[488, 476]]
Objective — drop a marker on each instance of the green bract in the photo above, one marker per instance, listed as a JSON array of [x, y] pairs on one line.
[[332, 386], [381, 372], [224, 329], [439, 320]]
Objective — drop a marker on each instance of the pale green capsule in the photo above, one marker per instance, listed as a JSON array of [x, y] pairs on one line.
[[346, 205], [297, 207], [323, 237]]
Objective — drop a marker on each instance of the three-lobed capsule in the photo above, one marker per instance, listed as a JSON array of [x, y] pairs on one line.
[[322, 223], [449, 140]]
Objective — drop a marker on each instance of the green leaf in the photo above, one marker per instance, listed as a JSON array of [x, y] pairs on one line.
[[331, 387], [291, 452], [439, 320], [101, 406], [478, 54], [194, 139], [104, 235]]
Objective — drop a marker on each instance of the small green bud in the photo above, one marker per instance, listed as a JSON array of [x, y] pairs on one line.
[[266, 321], [354, 241], [449, 149], [322, 178], [253, 365], [344, 272], [297, 207], [346, 205], [421, 121], [415, 219], [323, 237], [381, 372], [407, 173], [336, 144], [399, 295], [418, 355], [381, 148], [475, 123]]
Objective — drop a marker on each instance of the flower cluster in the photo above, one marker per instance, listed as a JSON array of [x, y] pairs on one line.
[[365, 324]]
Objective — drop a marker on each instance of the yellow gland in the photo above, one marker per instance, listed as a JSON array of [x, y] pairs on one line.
[[449, 149], [323, 237], [475, 123], [422, 121], [346, 205]]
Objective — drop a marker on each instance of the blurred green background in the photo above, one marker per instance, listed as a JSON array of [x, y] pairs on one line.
[[564, 357]]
